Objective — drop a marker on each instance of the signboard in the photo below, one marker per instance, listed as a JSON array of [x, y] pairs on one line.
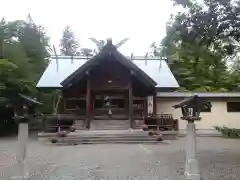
[[150, 104]]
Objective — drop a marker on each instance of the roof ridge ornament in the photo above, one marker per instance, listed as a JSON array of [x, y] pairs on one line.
[[109, 41], [101, 43], [120, 43]]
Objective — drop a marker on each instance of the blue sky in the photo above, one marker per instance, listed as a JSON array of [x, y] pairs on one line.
[[143, 21]]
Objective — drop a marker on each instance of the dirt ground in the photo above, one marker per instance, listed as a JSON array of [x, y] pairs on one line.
[[219, 158]]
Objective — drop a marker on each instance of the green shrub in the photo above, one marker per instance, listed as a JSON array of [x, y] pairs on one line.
[[8, 127], [35, 123], [51, 120], [228, 132]]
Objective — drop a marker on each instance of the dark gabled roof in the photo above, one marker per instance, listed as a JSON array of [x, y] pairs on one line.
[[122, 59], [194, 100], [109, 49]]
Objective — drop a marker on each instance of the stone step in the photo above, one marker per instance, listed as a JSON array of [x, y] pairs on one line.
[[79, 124], [146, 138], [109, 133], [115, 117], [105, 141], [114, 142], [110, 124], [100, 140], [110, 128], [117, 138], [107, 138]]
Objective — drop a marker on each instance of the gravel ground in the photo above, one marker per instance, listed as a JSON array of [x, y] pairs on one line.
[[219, 158]]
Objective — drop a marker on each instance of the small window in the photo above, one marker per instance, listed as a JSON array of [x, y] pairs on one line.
[[233, 106], [207, 108], [98, 103], [75, 104], [118, 103]]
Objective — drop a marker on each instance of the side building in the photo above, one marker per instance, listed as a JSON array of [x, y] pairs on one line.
[[225, 110]]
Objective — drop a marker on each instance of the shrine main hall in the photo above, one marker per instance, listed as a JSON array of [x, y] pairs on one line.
[[108, 88]]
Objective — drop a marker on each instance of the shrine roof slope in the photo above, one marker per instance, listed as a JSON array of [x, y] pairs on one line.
[[108, 51], [62, 67]]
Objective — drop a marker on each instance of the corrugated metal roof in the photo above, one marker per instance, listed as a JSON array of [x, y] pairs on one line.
[[203, 94], [54, 74]]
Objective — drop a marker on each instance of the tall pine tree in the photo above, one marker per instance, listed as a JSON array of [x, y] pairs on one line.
[[69, 44]]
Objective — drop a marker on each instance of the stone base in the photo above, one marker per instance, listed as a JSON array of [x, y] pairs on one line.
[[18, 171], [192, 176], [192, 170]]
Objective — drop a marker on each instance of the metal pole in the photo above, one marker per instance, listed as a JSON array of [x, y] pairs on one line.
[[191, 164]]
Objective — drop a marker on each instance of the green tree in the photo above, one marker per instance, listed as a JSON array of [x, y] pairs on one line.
[[24, 50], [68, 43], [199, 42], [36, 46], [87, 52]]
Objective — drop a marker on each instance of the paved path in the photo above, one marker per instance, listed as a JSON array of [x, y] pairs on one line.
[[219, 159]]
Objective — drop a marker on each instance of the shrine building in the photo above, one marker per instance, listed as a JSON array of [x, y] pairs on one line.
[[110, 88]]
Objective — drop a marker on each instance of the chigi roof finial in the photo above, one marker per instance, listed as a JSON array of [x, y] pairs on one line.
[[109, 41]]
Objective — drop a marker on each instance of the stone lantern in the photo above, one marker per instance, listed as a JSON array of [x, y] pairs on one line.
[[191, 108], [22, 117]]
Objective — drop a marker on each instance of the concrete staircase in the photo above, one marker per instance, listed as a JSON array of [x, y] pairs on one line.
[[110, 124], [108, 136], [79, 124]]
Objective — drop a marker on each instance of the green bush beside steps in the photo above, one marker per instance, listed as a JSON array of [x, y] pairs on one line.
[[228, 132]]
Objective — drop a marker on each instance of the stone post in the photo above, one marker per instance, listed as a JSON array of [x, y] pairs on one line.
[[191, 164], [191, 108], [22, 149]]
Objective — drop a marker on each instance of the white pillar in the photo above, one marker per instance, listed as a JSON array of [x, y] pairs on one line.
[[22, 172], [191, 164]]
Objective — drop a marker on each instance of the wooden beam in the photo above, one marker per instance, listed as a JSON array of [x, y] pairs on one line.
[[64, 105], [145, 114], [154, 103], [130, 97], [89, 103]]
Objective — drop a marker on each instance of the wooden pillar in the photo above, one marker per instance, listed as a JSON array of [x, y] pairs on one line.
[[154, 103], [64, 105], [89, 103], [61, 108], [126, 101], [130, 98], [145, 111]]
